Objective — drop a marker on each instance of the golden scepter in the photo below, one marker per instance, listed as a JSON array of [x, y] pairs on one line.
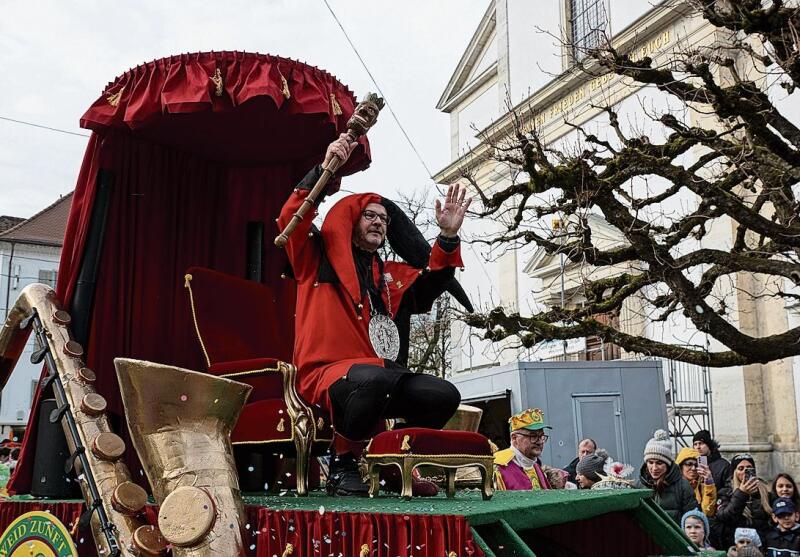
[[364, 117]]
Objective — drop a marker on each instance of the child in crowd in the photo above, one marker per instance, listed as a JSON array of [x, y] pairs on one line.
[[784, 486], [590, 468], [784, 539], [745, 538], [695, 525]]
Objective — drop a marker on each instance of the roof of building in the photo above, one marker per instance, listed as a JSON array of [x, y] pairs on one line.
[[46, 227], [7, 222]]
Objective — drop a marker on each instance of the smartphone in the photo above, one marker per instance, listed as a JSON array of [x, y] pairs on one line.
[[749, 473], [702, 461]]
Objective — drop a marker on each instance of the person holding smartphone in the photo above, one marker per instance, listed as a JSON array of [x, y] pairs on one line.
[[694, 468], [744, 503]]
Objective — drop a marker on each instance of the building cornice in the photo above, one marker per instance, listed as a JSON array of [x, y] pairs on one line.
[[559, 89], [476, 44]]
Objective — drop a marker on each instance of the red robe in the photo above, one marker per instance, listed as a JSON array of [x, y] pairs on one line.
[[331, 325]]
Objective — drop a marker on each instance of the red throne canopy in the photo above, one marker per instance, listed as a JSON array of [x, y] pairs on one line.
[[186, 152]]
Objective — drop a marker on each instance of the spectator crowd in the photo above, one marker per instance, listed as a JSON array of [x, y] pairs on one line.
[[719, 504]]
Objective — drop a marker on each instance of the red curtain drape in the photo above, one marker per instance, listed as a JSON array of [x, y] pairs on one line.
[[198, 144], [268, 531]]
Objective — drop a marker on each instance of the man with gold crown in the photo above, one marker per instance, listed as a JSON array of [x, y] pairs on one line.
[[519, 467]]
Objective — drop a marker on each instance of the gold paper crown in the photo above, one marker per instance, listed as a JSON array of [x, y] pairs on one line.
[[532, 418]]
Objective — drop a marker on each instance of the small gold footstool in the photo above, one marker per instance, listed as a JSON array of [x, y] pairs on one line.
[[416, 446]]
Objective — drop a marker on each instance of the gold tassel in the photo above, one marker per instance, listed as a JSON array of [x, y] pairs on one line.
[[113, 100], [320, 423], [335, 107], [288, 551], [187, 278], [452, 554], [285, 86], [217, 79], [406, 446], [364, 551], [281, 426]]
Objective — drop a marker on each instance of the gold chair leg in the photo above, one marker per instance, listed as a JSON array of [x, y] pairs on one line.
[[374, 480], [407, 471], [302, 443], [451, 482], [488, 488]]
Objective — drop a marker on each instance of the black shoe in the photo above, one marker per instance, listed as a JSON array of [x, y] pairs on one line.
[[344, 478]]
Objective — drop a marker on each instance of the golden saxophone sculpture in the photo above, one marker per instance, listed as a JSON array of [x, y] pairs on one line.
[[180, 423], [114, 501]]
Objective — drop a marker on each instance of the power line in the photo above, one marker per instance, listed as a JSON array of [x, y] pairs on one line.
[[378, 87], [40, 126]]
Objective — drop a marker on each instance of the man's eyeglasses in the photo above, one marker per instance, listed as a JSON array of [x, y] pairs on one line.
[[372, 215], [542, 438]]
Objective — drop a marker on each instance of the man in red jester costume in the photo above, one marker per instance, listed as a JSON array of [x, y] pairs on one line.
[[353, 315]]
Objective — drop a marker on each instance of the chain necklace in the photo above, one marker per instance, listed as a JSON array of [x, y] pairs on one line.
[[383, 333]]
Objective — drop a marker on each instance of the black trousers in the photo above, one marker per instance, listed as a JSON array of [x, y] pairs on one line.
[[368, 394]]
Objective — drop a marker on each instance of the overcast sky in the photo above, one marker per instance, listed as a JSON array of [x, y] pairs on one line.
[[57, 57]]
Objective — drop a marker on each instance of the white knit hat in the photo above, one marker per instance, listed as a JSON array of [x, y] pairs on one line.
[[659, 448]]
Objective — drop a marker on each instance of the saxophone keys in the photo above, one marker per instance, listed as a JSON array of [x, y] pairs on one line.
[[186, 516], [86, 376], [73, 349], [93, 404], [108, 446], [149, 541], [62, 317], [128, 498]]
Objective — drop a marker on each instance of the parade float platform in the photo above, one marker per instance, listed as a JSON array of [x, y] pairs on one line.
[[546, 523]]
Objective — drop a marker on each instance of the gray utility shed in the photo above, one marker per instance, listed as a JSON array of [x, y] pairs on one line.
[[617, 403]]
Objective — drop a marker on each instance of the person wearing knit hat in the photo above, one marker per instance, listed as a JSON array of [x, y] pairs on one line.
[[699, 477], [589, 469], [704, 444], [746, 536], [743, 503], [660, 473], [695, 525], [659, 448]]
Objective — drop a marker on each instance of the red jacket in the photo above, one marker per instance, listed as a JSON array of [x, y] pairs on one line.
[[331, 325]]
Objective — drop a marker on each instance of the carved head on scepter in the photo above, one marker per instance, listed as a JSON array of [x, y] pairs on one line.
[[365, 115]]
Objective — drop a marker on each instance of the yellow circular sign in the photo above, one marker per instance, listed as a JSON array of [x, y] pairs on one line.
[[37, 534]]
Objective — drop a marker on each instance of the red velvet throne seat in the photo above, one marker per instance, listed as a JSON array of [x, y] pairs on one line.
[[235, 320]]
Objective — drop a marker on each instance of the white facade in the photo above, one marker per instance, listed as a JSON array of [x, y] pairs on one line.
[[531, 71], [22, 264]]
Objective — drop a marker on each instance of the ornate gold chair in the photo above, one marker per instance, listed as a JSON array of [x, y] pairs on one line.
[[236, 321]]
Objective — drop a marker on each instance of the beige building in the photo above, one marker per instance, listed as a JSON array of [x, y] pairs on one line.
[[517, 58]]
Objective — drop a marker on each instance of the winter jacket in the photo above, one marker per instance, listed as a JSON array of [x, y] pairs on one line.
[[706, 495], [783, 544], [675, 496], [731, 504], [720, 469]]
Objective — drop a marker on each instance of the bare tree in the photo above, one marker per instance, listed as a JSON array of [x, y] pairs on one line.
[[743, 171]]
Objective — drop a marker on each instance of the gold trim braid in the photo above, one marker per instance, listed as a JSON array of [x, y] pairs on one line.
[[187, 283]]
